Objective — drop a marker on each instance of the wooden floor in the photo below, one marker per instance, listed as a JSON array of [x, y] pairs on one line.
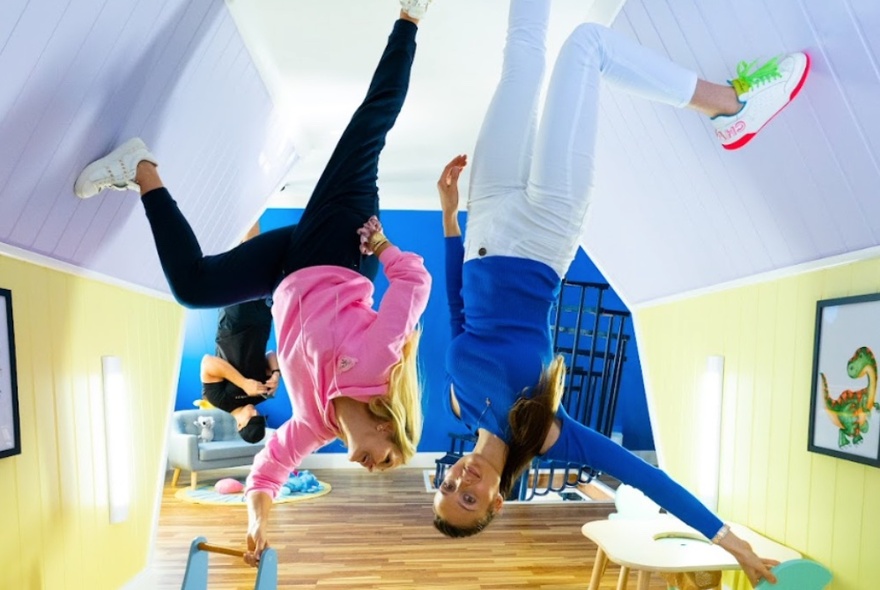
[[374, 531]]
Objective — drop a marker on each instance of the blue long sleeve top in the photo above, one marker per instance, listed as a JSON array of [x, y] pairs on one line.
[[500, 317]]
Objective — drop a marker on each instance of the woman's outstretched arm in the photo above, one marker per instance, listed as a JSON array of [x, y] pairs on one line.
[[577, 443], [284, 451]]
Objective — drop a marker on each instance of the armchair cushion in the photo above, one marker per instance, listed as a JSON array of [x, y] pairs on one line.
[[225, 427], [228, 449]]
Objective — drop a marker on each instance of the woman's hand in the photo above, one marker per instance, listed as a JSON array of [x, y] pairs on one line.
[[256, 544], [373, 241], [259, 504], [447, 186], [754, 567]]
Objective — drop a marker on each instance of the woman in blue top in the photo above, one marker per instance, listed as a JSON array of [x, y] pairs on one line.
[[528, 199]]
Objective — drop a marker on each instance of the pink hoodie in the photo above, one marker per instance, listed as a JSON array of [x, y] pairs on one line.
[[332, 343]]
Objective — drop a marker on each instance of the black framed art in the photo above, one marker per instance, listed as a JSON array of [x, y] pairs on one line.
[[10, 435], [844, 409]]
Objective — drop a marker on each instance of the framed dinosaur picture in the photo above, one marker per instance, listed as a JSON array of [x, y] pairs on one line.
[[10, 436], [844, 408]]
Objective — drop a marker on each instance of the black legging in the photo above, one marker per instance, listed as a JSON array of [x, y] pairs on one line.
[[344, 198]]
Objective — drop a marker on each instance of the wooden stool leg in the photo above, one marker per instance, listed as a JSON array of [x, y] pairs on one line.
[[644, 580], [193, 479], [175, 477], [598, 569], [623, 579]]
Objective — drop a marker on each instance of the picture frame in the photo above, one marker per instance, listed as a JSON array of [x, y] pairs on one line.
[[844, 408], [10, 433]]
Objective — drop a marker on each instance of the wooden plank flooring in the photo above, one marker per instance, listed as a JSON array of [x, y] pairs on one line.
[[374, 531]]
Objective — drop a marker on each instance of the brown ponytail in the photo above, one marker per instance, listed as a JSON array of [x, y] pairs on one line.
[[530, 420]]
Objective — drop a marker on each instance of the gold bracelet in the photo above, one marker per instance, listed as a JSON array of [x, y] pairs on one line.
[[722, 532], [375, 244]]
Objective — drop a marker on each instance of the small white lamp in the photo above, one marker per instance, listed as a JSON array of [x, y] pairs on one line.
[[117, 432]]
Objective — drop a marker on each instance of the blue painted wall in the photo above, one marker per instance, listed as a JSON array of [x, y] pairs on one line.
[[631, 418], [418, 231]]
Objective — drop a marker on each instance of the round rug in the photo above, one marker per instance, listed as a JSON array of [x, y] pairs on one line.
[[292, 491]]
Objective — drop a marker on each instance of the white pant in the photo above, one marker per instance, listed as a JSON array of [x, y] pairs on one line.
[[535, 208]]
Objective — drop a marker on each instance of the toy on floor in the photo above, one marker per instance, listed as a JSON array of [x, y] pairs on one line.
[[300, 482], [228, 486], [196, 575], [206, 423], [798, 574]]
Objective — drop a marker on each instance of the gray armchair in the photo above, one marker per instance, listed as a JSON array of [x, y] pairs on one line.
[[228, 449]]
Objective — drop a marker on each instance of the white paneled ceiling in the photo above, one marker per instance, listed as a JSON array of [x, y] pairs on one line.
[[79, 77], [672, 212], [317, 60], [675, 213]]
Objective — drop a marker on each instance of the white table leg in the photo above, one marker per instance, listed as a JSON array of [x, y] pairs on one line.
[[623, 579], [598, 569], [644, 580]]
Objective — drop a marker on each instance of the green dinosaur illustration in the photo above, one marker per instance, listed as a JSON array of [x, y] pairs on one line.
[[851, 410]]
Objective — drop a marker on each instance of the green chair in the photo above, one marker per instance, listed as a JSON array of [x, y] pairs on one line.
[[798, 574]]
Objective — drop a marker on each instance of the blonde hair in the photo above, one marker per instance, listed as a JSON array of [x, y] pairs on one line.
[[402, 405]]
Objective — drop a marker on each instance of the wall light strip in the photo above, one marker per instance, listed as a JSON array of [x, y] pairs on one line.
[[117, 432], [708, 440]]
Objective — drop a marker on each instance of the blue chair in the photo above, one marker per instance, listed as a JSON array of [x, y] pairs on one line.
[[798, 574], [196, 575], [228, 449]]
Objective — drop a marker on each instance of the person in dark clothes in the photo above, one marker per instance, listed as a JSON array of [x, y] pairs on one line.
[[241, 373]]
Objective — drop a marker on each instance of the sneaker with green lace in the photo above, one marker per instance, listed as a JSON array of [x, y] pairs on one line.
[[764, 91]]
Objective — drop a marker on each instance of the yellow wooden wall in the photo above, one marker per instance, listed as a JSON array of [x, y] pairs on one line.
[[55, 529], [824, 507]]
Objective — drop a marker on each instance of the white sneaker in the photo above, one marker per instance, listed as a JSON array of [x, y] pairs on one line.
[[415, 8], [116, 170], [764, 92]]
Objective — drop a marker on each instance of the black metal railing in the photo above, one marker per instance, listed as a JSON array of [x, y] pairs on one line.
[[593, 340]]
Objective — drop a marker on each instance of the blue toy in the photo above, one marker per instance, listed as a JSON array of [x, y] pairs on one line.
[[302, 482]]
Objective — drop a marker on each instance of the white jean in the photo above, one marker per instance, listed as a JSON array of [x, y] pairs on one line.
[[529, 195]]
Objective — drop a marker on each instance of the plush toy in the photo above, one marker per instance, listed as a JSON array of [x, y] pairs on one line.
[[203, 404], [206, 423], [302, 482], [228, 486]]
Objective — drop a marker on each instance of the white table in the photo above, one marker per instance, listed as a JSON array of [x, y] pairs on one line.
[[664, 545]]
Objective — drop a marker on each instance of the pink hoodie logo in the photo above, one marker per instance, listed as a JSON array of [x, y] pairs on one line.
[[345, 363]]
